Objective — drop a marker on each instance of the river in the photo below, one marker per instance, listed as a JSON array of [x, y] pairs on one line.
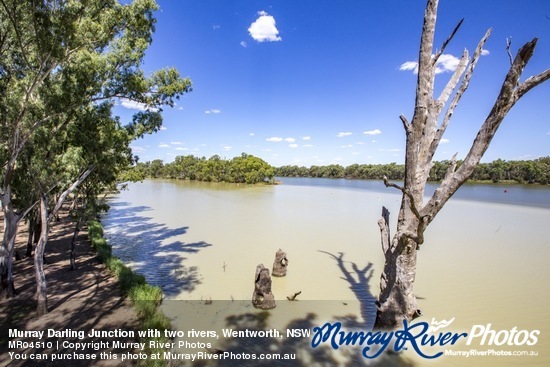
[[484, 261]]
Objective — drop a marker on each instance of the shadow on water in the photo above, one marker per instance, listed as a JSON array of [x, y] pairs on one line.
[[151, 249], [299, 351], [295, 352], [358, 280]]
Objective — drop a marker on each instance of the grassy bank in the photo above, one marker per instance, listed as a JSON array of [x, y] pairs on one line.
[[145, 297]]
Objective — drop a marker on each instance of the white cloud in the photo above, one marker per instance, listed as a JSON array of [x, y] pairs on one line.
[[133, 105], [372, 132], [251, 134], [277, 139], [163, 145], [409, 65], [227, 148], [163, 128], [306, 138], [308, 145], [445, 63], [181, 148], [293, 145], [443, 141], [176, 143], [342, 134], [346, 146], [213, 110], [389, 150], [137, 149], [264, 29], [244, 44]]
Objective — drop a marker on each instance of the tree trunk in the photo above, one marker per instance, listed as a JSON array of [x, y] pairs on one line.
[[45, 217], [397, 301], [41, 295], [34, 233], [7, 287], [73, 246], [30, 236]]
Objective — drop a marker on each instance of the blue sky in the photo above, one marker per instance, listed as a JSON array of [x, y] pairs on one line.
[[323, 82]]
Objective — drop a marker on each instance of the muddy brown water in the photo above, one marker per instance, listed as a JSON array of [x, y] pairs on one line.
[[484, 261]]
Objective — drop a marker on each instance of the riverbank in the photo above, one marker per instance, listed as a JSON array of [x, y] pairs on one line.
[[86, 298]]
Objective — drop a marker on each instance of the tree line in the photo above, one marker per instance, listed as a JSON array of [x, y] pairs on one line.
[[245, 168], [535, 171]]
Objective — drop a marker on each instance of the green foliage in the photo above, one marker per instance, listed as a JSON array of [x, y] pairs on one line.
[[535, 171], [145, 298], [356, 171], [245, 168], [63, 66]]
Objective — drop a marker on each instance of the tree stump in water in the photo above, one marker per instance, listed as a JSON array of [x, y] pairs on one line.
[[280, 264], [262, 297]]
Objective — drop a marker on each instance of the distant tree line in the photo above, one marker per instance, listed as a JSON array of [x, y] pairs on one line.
[[534, 171], [245, 168]]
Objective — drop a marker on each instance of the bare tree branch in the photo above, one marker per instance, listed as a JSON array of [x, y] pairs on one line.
[[508, 45], [504, 102], [384, 224], [456, 99], [391, 184], [65, 193], [406, 193], [406, 124], [424, 88], [453, 82], [440, 52], [531, 82]]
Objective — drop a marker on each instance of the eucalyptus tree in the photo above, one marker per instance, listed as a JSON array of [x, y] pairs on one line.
[[424, 132], [58, 57], [95, 148]]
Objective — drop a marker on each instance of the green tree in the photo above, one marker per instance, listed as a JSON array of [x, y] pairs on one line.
[[156, 168], [58, 57]]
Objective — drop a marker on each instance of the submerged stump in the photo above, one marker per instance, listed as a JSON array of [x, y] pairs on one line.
[[262, 297], [280, 264]]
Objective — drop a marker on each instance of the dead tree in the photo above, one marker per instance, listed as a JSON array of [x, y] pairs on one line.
[[262, 297], [424, 132], [280, 264]]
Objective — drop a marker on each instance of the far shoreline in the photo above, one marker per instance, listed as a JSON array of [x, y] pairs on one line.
[[500, 193]]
